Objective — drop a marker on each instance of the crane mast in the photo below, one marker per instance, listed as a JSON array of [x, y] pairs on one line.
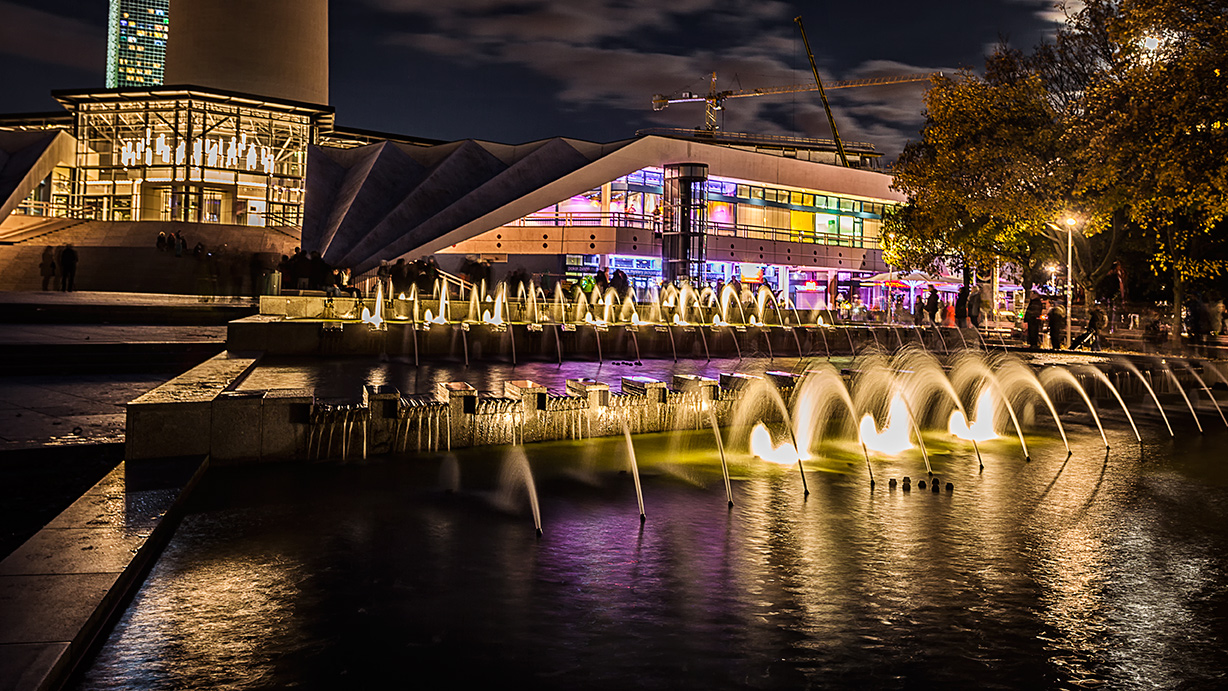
[[844, 159]]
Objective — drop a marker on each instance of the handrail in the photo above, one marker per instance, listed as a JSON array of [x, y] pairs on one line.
[[750, 138]]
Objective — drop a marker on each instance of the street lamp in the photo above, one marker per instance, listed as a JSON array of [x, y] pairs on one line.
[[1070, 224]]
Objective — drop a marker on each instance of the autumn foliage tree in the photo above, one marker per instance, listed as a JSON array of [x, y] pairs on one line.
[[1153, 131], [1120, 119]]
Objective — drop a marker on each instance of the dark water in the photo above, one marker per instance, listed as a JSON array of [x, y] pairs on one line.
[[1105, 570]]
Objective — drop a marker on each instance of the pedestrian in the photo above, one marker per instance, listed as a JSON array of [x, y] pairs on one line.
[[1031, 317], [620, 283], [1197, 319], [1091, 334], [1217, 313], [601, 281], [931, 305], [1057, 326], [918, 312], [319, 273], [400, 277], [427, 277], [948, 316], [961, 307], [46, 267], [974, 305], [68, 269], [161, 240], [384, 275]]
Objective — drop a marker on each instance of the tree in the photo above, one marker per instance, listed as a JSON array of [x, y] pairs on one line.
[[1152, 127], [988, 173]]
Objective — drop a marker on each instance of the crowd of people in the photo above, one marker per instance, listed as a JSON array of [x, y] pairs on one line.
[[965, 312]]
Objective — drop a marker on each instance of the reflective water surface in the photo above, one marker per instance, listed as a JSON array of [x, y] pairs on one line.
[[1105, 569]]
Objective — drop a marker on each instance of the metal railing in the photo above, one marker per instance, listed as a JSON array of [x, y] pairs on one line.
[[750, 138]]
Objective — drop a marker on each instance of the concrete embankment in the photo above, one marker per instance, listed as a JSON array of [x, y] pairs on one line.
[[61, 589]]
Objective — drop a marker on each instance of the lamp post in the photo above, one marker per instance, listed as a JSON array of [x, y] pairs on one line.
[[1070, 224]]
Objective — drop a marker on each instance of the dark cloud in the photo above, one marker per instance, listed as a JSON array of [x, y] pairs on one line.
[[43, 37], [612, 56], [518, 70]]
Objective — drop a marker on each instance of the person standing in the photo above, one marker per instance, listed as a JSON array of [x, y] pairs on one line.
[[974, 306], [931, 306], [384, 275], [46, 268], [918, 312], [398, 275], [961, 307], [1057, 325], [68, 268], [1031, 317], [1217, 314]]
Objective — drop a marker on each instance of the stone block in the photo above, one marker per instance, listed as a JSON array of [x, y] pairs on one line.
[[383, 404], [736, 381], [285, 423], [236, 426], [462, 402], [782, 380], [158, 430], [530, 392], [596, 393], [651, 388], [176, 418], [691, 383]]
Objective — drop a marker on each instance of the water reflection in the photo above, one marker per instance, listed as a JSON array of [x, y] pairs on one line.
[[1097, 570]]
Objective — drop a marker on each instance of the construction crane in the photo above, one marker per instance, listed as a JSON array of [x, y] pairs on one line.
[[844, 159], [715, 100]]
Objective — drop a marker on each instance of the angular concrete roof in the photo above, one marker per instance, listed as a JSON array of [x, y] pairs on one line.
[[387, 200], [26, 159]]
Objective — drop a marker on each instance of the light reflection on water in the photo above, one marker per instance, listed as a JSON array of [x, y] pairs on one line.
[[1107, 569]]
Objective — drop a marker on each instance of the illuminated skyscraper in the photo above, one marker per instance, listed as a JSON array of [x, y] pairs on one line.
[[136, 42]]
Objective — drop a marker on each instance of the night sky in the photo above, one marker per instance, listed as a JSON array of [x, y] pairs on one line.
[[519, 70]]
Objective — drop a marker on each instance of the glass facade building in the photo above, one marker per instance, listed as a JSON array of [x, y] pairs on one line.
[[191, 156], [137, 31]]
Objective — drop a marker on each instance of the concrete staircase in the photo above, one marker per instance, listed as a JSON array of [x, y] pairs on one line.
[[123, 256]]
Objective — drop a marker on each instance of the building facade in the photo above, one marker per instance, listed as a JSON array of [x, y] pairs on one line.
[[812, 244], [137, 33], [189, 155]]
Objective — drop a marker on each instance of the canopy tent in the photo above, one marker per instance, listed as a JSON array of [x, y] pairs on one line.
[[900, 280]]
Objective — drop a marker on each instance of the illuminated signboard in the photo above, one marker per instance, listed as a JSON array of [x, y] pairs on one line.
[[656, 178]]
